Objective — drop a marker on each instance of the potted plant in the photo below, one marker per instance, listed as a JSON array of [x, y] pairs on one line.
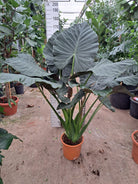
[[8, 102], [18, 32], [121, 100], [73, 76], [1, 90], [19, 88], [134, 107], [5, 142], [134, 137]]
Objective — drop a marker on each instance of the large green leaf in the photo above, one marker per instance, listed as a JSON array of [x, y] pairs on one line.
[[74, 101], [1, 182], [129, 80], [108, 69], [78, 41], [26, 65], [28, 81], [62, 94], [106, 102], [48, 53], [110, 74], [6, 139]]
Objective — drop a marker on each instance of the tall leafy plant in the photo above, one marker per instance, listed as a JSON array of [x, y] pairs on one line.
[[128, 45], [102, 17], [19, 30], [74, 76]]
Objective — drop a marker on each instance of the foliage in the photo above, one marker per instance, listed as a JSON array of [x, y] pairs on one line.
[[62, 22], [128, 11], [103, 19], [74, 76], [116, 26], [22, 27], [5, 142]]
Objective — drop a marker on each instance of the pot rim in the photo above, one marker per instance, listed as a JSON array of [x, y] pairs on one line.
[[18, 84], [132, 137], [131, 98], [71, 145], [5, 104]]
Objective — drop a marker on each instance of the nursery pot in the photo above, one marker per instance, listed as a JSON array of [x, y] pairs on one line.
[[71, 152], [1, 92], [121, 100], [134, 147], [133, 108], [19, 88], [6, 108]]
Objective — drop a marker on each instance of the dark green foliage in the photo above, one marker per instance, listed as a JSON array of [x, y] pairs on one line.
[[71, 58], [116, 26], [22, 28]]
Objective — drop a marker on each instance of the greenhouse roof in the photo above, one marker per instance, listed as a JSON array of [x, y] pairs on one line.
[[70, 10]]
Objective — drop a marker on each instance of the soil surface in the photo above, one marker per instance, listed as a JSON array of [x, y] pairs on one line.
[[105, 156], [69, 142], [5, 100]]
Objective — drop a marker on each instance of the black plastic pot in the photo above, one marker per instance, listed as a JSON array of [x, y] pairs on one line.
[[121, 100], [19, 88], [11, 84], [1, 92], [134, 108]]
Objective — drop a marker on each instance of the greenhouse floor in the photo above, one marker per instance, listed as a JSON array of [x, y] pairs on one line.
[[105, 156]]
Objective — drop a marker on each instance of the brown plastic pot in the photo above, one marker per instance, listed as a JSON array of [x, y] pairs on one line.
[[71, 152], [134, 147], [8, 111]]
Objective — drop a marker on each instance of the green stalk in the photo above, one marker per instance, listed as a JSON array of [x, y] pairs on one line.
[[73, 62], [59, 117], [92, 116], [88, 111], [87, 79], [86, 99]]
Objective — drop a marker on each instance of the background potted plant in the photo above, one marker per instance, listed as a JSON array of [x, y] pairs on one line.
[[134, 107], [19, 32], [116, 26], [70, 57], [134, 137], [19, 88]]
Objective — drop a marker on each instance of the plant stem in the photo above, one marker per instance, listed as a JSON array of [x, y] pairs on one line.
[[89, 110], [73, 62], [59, 117], [87, 79], [95, 111], [92, 116]]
